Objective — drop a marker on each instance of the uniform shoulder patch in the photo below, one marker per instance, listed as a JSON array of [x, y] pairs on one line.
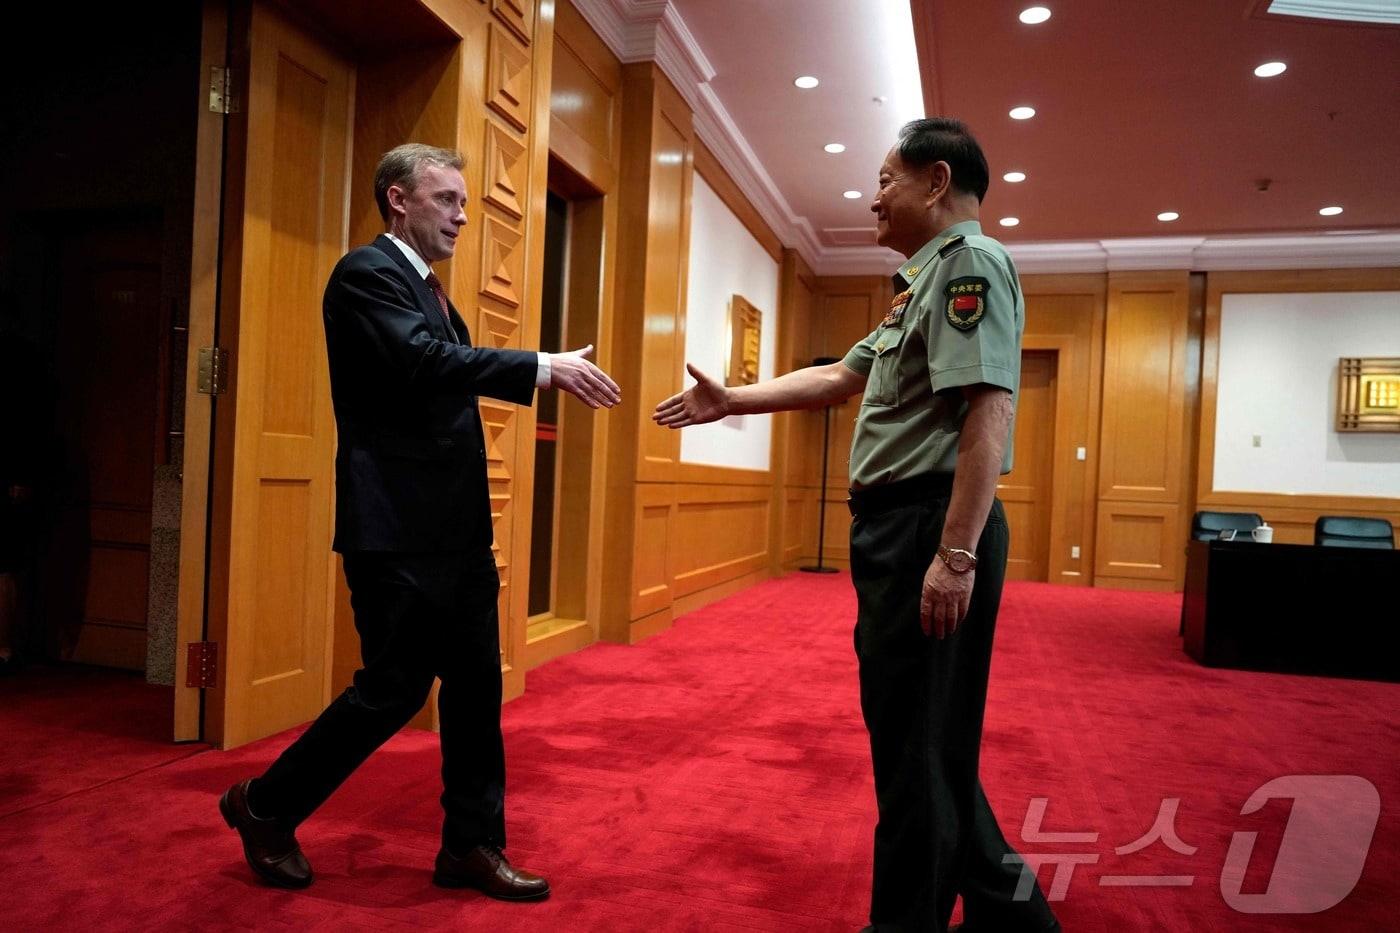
[[950, 244], [966, 301]]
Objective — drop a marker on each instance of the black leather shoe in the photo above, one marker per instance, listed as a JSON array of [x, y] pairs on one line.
[[486, 869], [272, 853]]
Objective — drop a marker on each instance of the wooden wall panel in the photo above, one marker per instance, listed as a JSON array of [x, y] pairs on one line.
[[844, 310], [797, 294], [794, 513], [1144, 394], [1139, 545], [508, 79], [652, 572], [721, 532], [644, 335], [1065, 313], [586, 83], [1147, 379], [663, 338]]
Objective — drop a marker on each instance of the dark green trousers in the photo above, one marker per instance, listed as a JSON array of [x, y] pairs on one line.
[[923, 701]]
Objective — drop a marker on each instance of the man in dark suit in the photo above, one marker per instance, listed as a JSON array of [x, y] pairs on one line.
[[413, 523]]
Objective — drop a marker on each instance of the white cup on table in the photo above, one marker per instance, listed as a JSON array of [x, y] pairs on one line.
[[1263, 534]]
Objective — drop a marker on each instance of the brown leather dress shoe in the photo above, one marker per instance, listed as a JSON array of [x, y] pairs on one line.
[[272, 853], [486, 869]]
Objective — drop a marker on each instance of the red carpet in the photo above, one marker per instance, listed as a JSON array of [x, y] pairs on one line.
[[716, 778], [69, 729]]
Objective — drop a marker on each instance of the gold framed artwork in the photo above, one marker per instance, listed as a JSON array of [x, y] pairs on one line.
[[1368, 394], [745, 338]]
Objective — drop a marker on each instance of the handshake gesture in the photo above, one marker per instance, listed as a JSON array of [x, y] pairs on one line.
[[702, 403], [573, 373]]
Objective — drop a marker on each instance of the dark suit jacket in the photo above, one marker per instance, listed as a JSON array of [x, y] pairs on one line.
[[410, 469]]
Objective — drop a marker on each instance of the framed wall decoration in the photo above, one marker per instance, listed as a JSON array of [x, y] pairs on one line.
[[1368, 394], [745, 336]]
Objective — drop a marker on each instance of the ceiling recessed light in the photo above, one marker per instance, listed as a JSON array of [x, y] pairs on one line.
[[1022, 113], [1033, 15], [1270, 69], [1010, 221], [1167, 217], [834, 148], [850, 194], [1332, 211], [1014, 177], [806, 81]]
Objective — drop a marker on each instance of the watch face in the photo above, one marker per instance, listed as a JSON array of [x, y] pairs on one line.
[[958, 560]]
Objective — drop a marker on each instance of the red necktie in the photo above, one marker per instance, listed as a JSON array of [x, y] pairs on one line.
[[436, 285]]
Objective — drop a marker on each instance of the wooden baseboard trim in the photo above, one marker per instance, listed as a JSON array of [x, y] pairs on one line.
[[554, 639], [650, 625], [700, 598]]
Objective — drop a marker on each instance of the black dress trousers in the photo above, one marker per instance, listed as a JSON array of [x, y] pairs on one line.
[[923, 701], [418, 616]]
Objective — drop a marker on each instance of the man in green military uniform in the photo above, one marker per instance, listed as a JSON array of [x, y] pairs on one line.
[[928, 537]]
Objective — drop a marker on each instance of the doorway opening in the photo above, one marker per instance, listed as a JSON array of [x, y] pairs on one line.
[[1027, 491], [98, 168], [563, 483]]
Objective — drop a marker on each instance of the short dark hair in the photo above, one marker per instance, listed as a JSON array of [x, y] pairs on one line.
[[401, 165], [943, 139]]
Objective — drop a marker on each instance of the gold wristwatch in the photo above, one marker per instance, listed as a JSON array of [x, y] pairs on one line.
[[957, 559]]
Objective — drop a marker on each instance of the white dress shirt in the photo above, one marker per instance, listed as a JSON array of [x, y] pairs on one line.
[[543, 374]]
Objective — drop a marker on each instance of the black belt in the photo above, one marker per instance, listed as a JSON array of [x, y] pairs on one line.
[[909, 491]]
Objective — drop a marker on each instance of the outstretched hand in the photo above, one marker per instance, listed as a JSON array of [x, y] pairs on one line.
[[702, 403], [573, 373]]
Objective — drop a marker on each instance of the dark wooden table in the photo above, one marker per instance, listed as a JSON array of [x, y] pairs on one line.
[[1293, 608]]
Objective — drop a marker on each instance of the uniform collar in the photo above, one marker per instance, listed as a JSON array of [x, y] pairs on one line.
[[906, 274]]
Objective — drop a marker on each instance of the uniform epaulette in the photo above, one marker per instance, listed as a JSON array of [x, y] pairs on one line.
[[949, 244]]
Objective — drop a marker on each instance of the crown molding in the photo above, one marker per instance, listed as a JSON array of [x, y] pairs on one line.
[[1210, 253], [1083, 256], [856, 260], [1148, 253], [608, 21], [679, 55], [1347, 11], [1318, 251]]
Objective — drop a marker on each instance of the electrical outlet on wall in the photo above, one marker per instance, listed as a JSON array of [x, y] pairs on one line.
[[1074, 552], [1258, 440]]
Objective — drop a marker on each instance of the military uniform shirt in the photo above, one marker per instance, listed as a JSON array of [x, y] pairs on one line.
[[957, 321]]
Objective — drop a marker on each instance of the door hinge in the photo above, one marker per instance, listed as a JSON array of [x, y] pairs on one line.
[[213, 370], [222, 98], [202, 665]]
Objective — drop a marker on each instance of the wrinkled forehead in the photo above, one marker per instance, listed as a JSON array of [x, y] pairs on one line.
[[893, 164]]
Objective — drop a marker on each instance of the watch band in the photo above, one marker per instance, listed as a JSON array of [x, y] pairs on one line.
[[956, 559]]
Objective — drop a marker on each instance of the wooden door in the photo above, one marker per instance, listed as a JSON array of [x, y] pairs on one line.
[[271, 583], [1026, 490]]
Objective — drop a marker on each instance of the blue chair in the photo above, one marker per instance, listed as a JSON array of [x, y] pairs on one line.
[[1206, 526], [1345, 531]]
